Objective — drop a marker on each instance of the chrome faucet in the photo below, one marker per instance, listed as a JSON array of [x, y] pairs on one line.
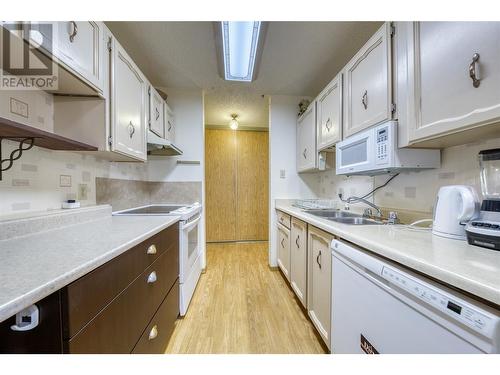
[[368, 211]]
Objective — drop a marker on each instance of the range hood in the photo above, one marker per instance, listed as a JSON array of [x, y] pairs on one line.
[[160, 146]]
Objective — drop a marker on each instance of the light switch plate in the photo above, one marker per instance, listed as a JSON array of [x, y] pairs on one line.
[[282, 173]]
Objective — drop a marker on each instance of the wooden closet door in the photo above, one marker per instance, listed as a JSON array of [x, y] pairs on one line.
[[220, 180], [252, 185]]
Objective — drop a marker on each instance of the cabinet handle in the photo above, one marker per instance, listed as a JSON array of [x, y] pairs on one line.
[[297, 241], [152, 277], [74, 32], [474, 70], [305, 153], [318, 259], [364, 99], [157, 114], [153, 333], [283, 246], [169, 126], [151, 249], [131, 129], [328, 124]]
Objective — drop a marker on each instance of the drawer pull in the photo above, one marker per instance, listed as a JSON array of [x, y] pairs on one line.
[[152, 277], [153, 333], [74, 32], [318, 259], [364, 99], [131, 129], [297, 241], [152, 249], [474, 70], [328, 124]]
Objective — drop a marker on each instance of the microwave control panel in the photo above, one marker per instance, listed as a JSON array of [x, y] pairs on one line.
[[382, 140]]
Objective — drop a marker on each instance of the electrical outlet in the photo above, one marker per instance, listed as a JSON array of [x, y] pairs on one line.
[[83, 190]]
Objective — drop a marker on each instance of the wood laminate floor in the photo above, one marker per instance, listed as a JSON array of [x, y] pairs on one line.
[[242, 306]]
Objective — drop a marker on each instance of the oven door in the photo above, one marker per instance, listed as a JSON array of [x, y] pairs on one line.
[[189, 246], [356, 153]]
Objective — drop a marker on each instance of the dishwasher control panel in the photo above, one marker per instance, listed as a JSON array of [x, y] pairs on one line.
[[453, 307]]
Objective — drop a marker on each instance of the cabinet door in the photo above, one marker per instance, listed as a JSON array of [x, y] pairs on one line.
[[156, 113], [298, 259], [169, 123], [319, 281], [80, 47], [306, 140], [284, 250], [128, 115], [329, 114], [445, 98], [368, 84]]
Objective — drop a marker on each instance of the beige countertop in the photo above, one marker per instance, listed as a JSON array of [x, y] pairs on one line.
[[470, 268], [35, 265]]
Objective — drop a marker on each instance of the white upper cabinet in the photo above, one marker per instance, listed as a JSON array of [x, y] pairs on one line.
[[329, 114], [169, 123], [128, 105], [156, 113], [368, 84], [79, 45], [306, 140], [453, 79]]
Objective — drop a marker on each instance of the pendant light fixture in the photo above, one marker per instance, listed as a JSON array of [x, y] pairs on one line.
[[233, 124]]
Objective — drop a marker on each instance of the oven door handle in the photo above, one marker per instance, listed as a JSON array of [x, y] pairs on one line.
[[191, 224]]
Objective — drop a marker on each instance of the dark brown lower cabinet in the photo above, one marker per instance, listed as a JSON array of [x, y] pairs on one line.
[[128, 305], [46, 338], [155, 338]]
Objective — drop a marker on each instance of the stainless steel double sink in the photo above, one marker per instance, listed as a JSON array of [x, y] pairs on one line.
[[342, 217]]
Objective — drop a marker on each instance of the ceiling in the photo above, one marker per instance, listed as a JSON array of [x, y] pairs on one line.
[[299, 58]]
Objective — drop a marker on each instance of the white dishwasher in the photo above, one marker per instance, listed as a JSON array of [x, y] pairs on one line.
[[379, 307]]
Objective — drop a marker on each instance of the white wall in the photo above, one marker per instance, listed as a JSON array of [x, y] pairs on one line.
[[188, 108], [282, 156]]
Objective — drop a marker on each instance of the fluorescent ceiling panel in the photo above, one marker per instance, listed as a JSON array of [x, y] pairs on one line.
[[239, 41]]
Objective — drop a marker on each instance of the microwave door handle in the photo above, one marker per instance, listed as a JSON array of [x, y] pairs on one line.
[[191, 224]]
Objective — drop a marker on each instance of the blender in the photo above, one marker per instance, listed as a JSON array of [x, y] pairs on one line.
[[484, 230]]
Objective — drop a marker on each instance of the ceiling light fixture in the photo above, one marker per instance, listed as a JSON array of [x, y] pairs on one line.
[[233, 124], [240, 47]]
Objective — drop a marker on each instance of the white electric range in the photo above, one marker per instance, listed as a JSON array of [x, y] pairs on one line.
[[189, 243]]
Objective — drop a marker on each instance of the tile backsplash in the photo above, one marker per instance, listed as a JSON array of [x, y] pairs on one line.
[[123, 194], [415, 191], [41, 179]]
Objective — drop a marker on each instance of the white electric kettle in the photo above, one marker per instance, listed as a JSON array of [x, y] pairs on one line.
[[455, 205]]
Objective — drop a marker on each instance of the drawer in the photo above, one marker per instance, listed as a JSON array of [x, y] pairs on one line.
[[284, 219], [119, 325], [85, 297], [155, 338]]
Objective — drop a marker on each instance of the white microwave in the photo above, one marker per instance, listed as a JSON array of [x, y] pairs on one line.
[[375, 151]]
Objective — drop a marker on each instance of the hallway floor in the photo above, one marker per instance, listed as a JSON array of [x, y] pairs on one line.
[[242, 306]]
